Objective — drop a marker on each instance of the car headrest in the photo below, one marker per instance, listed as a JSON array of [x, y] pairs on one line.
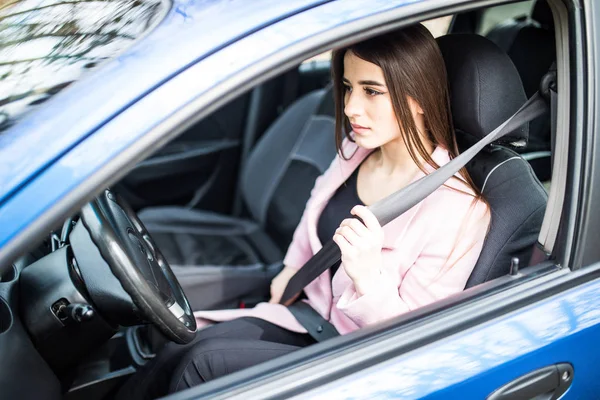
[[327, 106], [542, 13], [485, 87]]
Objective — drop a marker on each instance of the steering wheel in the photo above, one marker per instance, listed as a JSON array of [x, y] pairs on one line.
[[126, 246]]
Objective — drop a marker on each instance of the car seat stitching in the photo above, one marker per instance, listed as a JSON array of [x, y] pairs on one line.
[[494, 169]]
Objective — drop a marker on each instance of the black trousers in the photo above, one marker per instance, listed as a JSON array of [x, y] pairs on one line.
[[216, 351]]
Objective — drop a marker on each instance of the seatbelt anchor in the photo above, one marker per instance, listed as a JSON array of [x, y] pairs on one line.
[[548, 83]]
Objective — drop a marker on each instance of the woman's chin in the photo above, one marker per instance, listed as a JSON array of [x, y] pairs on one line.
[[365, 142]]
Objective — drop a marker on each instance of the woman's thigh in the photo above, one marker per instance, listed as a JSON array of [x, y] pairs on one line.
[[152, 380], [215, 357]]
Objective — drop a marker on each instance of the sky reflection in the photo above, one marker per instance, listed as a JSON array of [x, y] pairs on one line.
[[45, 45]]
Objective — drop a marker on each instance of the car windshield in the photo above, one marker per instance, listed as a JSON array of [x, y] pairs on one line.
[[45, 45]]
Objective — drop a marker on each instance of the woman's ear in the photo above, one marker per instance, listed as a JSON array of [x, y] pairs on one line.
[[415, 108]]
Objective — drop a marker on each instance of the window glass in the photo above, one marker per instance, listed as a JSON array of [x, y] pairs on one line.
[[323, 58], [437, 27], [45, 45], [495, 15]]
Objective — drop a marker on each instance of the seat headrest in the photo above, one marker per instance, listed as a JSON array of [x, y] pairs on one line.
[[327, 105], [485, 87], [542, 13]]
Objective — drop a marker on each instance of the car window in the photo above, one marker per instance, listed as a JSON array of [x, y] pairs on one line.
[[437, 27], [47, 45], [494, 15]]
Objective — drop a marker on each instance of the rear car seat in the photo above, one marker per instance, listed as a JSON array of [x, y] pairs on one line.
[[529, 42]]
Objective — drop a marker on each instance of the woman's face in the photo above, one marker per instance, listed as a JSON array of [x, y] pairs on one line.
[[368, 105]]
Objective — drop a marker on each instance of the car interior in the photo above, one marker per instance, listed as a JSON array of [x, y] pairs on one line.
[[223, 199]]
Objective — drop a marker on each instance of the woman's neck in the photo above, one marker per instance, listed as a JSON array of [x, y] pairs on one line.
[[394, 158]]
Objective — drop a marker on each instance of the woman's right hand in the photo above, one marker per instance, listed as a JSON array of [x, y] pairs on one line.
[[279, 283]]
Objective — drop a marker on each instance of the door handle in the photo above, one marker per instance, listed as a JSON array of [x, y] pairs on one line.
[[548, 383]]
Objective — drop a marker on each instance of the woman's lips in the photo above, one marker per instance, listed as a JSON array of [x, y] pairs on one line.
[[359, 129]]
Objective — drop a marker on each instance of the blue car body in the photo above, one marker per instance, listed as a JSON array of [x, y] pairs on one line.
[[473, 363], [199, 49]]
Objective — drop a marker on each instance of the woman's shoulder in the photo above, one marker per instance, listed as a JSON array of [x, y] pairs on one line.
[[448, 212], [453, 200], [456, 197]]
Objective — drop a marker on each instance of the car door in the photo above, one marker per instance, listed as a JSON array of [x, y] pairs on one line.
[[546, 349]]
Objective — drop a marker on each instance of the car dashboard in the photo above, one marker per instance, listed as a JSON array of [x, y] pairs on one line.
[[53, 342]]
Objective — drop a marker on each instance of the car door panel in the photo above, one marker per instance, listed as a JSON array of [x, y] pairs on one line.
[[178, 171], [198, 168], [476, 362], [177, 158]]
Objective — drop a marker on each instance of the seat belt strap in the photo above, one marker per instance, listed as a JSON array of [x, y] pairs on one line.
[[548, 232], [404, 199]]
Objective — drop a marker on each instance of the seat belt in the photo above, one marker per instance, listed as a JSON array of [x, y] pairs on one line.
[[316, 326], [548, 232], [394, 205]]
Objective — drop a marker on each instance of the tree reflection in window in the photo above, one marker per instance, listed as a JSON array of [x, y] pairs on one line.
[[45, 45]]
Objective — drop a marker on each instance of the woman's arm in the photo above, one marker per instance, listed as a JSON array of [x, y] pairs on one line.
[[441, 269]]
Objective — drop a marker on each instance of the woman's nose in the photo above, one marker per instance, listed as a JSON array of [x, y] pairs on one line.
[[353, 106]]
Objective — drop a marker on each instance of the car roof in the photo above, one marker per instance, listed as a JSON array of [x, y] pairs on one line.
[[68, 118]]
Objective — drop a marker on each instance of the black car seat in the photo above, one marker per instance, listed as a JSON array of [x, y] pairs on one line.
[[530, 43], [479, 74], [275, 185]]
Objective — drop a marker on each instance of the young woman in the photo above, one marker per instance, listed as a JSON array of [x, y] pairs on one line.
[[393, 126]]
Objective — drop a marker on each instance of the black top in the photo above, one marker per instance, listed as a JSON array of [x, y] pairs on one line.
[[337, 209]]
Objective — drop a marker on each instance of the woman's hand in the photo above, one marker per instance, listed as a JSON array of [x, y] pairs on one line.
[[360, 244], [279, 283]]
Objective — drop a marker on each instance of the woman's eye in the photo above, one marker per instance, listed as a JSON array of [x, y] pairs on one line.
[[347, 89], [372, 92]]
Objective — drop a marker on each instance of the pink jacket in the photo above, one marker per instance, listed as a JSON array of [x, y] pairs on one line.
[[428, 254]]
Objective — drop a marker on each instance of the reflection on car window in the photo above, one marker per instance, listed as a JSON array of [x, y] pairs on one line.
[[45, 45]]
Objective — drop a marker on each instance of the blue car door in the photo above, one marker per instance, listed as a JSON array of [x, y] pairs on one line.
[[545, 349]]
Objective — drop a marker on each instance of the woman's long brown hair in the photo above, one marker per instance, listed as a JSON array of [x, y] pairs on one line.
[[412, 66]]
